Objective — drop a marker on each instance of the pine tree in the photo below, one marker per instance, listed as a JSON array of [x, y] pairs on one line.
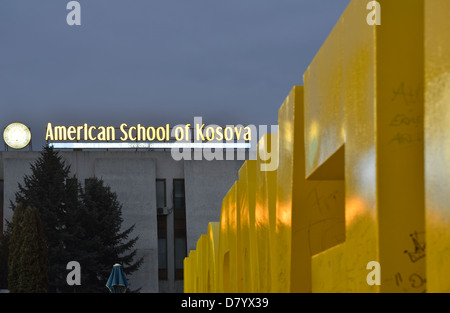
[[108, 243], [4, 253], [45, 189], [83, 226], [78, 247], [27, 262]]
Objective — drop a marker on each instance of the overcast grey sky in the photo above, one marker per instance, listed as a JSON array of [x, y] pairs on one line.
[[155, 61]]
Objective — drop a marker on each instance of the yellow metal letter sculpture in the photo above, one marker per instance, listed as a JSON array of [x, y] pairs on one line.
[[363, 168]]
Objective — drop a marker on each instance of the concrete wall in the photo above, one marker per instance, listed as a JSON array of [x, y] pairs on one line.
[[15, 166], [134, 182], [207, 183]]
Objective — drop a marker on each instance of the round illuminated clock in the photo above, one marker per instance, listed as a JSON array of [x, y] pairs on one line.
[[17, 135]]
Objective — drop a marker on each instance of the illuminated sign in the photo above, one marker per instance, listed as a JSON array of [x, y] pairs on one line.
[[17, 135], [197, 136]]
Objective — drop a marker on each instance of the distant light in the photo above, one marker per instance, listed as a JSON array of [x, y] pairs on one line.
[[17, 135]]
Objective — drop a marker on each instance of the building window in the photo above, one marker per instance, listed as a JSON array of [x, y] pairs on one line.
[[161, 193], [1, 206], [162, 247], [162, 228], [179, 209]]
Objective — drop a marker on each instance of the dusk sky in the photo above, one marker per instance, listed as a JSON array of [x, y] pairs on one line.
[[155, 61]]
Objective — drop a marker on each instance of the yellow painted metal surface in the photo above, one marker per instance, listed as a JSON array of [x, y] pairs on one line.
[[187, 274], [190, 272], [377, 84], [400, 146], [213, 253], [265, 217], [309, 214], [202, 259], [228, 258], [350, 99], [247, 245], [363, 165], [437, 144]]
